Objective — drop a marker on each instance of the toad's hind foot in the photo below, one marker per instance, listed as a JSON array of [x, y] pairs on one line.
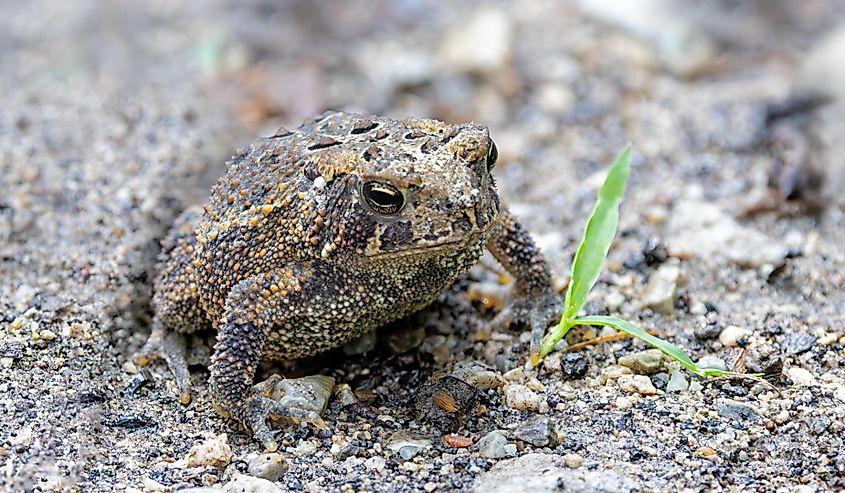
[[258, 409], [171, 346]]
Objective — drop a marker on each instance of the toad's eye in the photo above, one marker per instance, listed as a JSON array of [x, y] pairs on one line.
[[383, 197], [492, 155]]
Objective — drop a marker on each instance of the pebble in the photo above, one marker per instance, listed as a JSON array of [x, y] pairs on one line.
[[268, 466], [478, 375], [729, 408], [214, 451], [659, 380], [375, 464], [538, 430], [493, 445], [612, 372], [677, 382], [519, 396], [250, 484], [47, 335], [732, 334], [573, 461], [798, 342], [310, 393], [645, 362], [574, 366], [345, 396], [639, 384], [801, 377], [407, 444], [660, 292], [711, 361]]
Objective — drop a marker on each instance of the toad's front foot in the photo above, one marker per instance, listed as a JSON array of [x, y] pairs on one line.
[[535, 310]]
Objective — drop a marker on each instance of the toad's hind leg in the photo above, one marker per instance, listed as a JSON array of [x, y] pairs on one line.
[[176, 302], [285, 297]]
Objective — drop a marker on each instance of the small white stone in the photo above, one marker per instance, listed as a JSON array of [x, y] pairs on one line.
[[573, 461], [612, 372], [731, 334], [801, 377], [319, 183], [660, 291], [250, 484], [153, 486], [47, 335], [521, 397], [214, 451], [639, 384]]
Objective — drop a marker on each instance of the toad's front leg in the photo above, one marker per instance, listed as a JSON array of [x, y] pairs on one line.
[[534, 301], [253, 308]]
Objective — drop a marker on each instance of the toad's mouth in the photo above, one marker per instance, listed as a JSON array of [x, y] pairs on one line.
[[455, 245]]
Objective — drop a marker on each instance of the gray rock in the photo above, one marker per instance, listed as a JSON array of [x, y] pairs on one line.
[[574, 366], [729, 408], [407, 444], [310, 393], [798, 342], [541, 473], [660, 380], [659, 293], [478, 375], [539, 431], [645, 362], [268, 466], [492, 445], [710, 361], [677, 382]]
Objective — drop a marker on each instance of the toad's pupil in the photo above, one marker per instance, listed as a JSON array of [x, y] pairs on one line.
[[383, 198], [492, 155]]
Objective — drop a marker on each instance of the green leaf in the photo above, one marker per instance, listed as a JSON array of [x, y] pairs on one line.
[[668, 348], [590, 257]]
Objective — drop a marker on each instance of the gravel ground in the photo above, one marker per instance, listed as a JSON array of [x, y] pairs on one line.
[[117, 116]]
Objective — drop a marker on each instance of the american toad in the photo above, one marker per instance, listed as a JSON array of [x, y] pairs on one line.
[[317, 235]]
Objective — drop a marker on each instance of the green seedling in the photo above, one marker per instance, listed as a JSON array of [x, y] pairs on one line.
[[588, 264]]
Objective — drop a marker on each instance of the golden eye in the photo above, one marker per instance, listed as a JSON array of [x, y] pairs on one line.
[[383, 197], [492, 155]]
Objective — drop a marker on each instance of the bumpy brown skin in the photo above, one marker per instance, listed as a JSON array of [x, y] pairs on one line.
[[290, 257]]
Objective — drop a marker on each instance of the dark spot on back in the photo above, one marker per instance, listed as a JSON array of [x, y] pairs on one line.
[[451, 135], [371, 152], [427, 146], [322, 143], [380, 134], [363, 126], [310, 170], [414, 134]]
